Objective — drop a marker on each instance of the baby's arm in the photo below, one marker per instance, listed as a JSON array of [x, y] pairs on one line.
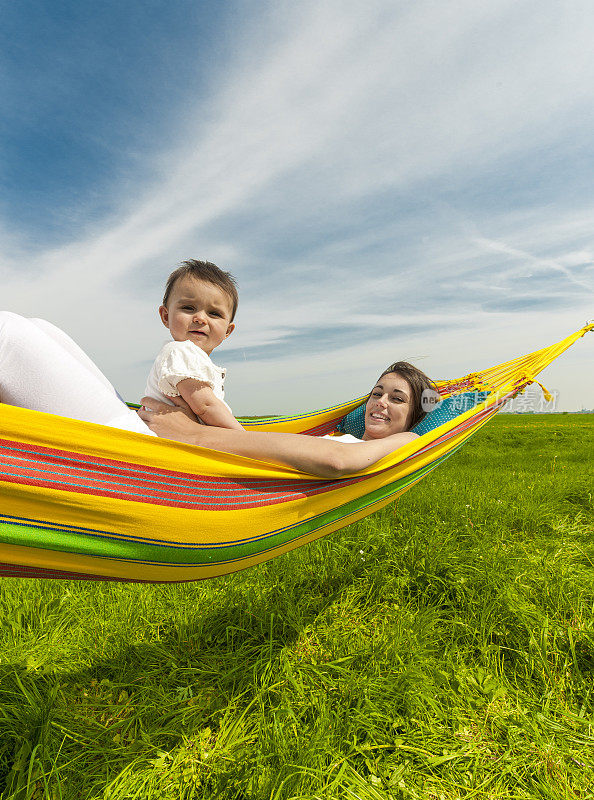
[[201, 399]]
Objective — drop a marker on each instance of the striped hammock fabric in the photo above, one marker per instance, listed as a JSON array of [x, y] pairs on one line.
[[83, 501]]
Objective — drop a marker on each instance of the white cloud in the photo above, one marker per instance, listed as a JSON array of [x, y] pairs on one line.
[[330, 107], [578, 259], [536, 263]]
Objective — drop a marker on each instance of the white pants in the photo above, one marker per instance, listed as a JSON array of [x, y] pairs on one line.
[[41, 368]]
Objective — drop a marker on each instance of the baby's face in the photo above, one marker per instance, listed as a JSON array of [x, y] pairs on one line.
[[198, 311]]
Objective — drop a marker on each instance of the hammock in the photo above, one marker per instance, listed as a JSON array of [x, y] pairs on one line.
[[85, 502]]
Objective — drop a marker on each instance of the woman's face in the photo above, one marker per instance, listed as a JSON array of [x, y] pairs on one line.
[[389, 407]]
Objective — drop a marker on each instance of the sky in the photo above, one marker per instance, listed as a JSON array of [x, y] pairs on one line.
[[387, 180]]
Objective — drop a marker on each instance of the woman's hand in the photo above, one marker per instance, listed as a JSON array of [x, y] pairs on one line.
[[169, 422], [151, 404]]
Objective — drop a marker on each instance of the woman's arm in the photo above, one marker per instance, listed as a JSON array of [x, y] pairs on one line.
[[201, 399], [310, 454]]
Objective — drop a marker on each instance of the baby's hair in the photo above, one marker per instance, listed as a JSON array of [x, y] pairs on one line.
[[418, 382], [208, 272]]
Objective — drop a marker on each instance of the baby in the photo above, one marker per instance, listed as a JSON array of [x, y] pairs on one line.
[[199, 305]]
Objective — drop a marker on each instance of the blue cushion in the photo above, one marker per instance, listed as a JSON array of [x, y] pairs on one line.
[[449, 409], [354, 422], [445, 411]]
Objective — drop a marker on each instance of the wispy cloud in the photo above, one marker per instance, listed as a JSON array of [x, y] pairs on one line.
[[538, 266], [341, 178]]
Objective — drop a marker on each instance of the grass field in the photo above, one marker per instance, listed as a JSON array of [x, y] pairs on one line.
[[440, 649]]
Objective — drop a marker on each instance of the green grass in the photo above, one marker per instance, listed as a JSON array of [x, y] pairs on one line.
[[442, 648]]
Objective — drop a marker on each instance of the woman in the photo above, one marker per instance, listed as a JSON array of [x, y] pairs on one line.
[[393, 407], [43, 369]]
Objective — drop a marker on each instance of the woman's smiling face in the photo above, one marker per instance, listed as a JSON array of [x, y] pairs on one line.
[[389, 407]]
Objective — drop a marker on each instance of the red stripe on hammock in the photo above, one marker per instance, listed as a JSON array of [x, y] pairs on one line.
[[174, 495], [12, 571], [324, 428]]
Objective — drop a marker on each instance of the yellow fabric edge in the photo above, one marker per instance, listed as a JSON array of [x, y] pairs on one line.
[[122, 570]]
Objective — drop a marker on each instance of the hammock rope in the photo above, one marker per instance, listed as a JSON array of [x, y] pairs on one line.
[[82, 501]]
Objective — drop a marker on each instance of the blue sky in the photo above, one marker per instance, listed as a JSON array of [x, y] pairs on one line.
[[386, 180]]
